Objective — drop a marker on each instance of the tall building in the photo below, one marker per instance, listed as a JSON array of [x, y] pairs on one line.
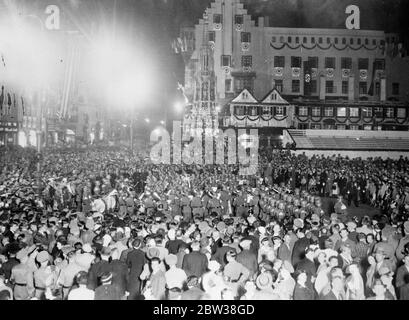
[[311, 78]]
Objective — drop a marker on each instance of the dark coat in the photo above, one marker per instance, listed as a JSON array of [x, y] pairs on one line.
[[120, 275], [195, 263], [303, 293], [95, 272]]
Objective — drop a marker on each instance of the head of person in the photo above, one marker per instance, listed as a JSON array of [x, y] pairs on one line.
[[5, 295], [333, 261], [82, 278], [344, 233], [301, 277], [370, 238], [231, 255], [309, 253], [321, 257], [379, 255], [337, 279]]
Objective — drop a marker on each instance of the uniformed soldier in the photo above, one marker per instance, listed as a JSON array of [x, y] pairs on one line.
[[107, 291], [68, 272], [22, 276], [43, 273]]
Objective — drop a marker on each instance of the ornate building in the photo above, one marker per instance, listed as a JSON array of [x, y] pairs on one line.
[[330, 78]]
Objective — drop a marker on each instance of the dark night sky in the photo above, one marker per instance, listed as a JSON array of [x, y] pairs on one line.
[[153, 24]]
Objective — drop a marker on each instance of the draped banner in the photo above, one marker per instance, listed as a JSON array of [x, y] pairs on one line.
[[307, 78], [346, 47]]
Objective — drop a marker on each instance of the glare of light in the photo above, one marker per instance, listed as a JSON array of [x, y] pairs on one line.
[[246, 141], [92, 137], [22, 139], [162, 122], [116, 68], [178, 106], [32, 138], [147, 120], [30, 53]]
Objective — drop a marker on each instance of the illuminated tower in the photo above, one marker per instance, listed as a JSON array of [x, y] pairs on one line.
[[202, 113]]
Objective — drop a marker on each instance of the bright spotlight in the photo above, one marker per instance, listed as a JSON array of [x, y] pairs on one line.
[[162, 122], [147, 120], [179, 107]]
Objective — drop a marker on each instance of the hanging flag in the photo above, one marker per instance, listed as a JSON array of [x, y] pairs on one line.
[[371, 88], [1, 99], [14, 103], [307, 78], [8, 102], [22, 106]]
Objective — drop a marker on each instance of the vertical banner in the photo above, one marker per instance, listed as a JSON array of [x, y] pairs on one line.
[[307, 78]]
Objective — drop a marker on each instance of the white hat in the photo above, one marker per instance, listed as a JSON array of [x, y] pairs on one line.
[[171, 233], [106, 240], [213, 265], [87, 248], [245, 243]]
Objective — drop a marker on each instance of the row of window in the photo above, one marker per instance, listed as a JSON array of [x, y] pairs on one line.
[[296, 62], [257, 111], [244, 36], [330, 62], [327, 40], [246, 61], [318, 126], [353, 112], [330, 87]]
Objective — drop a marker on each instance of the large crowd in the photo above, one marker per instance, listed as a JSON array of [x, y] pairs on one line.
[[107, 224]]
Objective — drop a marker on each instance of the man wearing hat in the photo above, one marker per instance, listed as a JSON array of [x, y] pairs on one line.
[[248, 258], [175, 277], [82, 292], [107, 290], [68, 272], [220, 254], [155, 287], [42, 274], [22, 275], [234, 271], [195, 262], [97, 269], [135, 261]]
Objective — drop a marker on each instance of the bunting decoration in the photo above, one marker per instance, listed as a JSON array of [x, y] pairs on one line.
[[8, 102], [307, 78], [371, 90], [346, 47]]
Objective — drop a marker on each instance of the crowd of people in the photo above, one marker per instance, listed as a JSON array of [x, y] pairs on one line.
[[107, 224]]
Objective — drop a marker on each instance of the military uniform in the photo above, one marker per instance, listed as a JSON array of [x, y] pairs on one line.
[[67, 275], [108, 292], [40, 279], [22, 277]]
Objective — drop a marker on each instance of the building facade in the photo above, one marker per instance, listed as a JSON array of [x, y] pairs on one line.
[[330, 78]]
